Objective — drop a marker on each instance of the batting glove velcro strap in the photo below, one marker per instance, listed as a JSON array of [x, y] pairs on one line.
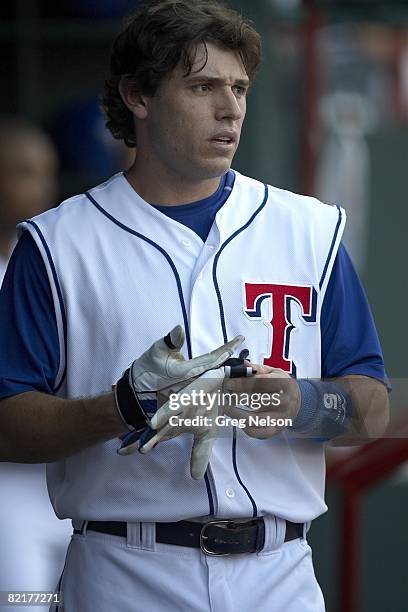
[[129, 405]]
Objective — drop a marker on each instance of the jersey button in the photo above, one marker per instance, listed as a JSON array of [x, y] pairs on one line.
[[230, 493], [186, 243]]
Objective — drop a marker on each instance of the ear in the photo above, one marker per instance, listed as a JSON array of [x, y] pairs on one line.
[[133, 99]]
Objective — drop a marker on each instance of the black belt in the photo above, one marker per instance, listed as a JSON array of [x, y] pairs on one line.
[[217, 537]]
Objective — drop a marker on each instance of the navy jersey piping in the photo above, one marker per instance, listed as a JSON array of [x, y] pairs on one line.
[[209, 493], [217, 289], [181, 298], [333, 242], [165, 255], [224, 333], [60, 298]]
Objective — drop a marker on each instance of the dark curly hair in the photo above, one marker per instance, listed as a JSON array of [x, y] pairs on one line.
[[159, 35]]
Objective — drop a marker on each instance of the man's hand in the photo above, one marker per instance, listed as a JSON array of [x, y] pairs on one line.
[[159, 372], [365, 406], [284, 402], [163, 369]]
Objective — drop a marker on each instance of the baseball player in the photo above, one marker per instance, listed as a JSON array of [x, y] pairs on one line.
[[159, 287]]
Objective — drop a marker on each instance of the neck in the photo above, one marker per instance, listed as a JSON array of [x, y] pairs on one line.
[[164, 188]]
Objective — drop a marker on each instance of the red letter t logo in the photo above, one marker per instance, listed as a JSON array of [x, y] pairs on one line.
[[281, 296]]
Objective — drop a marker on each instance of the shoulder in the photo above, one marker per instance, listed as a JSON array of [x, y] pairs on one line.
[[306, 209], [295, 207], [285, 199]]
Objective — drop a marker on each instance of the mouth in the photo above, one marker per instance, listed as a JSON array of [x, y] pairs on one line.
[[224, 139], [224, 142]]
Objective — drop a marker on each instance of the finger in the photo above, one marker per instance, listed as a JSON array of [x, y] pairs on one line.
[[239, 412], [130, 444], [258, 368], [230, 347], [165, 433], [217, 357], [239, 385], [147, 435], [134, 441], [205, 362], [128, 449], [270, 382], [262, 433], [275, 373], [162, 416], [201, 453], [265, 369], [262, 369], [207, 382]]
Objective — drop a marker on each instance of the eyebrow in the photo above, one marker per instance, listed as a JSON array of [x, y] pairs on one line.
[[199, 78]]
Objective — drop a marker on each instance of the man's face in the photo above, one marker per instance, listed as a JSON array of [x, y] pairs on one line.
[[194, 122]]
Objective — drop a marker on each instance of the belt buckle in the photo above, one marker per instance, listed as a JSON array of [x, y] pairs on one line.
[[203, 537]]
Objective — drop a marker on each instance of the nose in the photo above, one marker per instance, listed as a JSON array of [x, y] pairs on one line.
[[229, 106]]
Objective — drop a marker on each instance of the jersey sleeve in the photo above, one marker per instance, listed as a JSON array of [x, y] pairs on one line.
[[29, 347], [350, 343]]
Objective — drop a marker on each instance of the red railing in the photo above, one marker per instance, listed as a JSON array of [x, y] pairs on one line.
[[353, 475]]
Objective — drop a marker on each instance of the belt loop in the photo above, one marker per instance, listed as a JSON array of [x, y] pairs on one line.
[[275, 529], [306, 528], [134, 535], [78, 525], [148, 537]]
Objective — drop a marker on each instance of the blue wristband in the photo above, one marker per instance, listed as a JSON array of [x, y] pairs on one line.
[[325, 410]]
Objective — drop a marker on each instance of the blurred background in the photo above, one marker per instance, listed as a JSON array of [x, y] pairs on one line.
[[328, 116]]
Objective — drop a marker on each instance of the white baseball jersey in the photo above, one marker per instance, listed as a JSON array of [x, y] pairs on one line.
[[123, 274]]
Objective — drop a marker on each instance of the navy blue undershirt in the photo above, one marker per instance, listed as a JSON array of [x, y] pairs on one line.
[[29, 347], [199, 216]]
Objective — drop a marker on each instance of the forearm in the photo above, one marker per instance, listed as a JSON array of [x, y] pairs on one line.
[[370, 410], [39, 428]]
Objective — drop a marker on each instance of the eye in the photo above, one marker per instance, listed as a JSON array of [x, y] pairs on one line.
[[239, 90], [201, 88]]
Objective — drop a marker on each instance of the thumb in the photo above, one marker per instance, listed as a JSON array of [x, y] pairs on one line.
[[175, 338], [149, 369]]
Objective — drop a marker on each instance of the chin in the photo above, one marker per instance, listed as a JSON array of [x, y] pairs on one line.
[[216, 168]]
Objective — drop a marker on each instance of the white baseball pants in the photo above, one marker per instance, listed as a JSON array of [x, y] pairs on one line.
[[109, 573]]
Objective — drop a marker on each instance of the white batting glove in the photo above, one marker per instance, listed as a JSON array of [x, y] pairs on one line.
[[171, 421], [160, 371]]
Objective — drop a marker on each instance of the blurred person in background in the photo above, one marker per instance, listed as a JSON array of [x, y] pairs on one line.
[[33, 540], [28, 177]]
